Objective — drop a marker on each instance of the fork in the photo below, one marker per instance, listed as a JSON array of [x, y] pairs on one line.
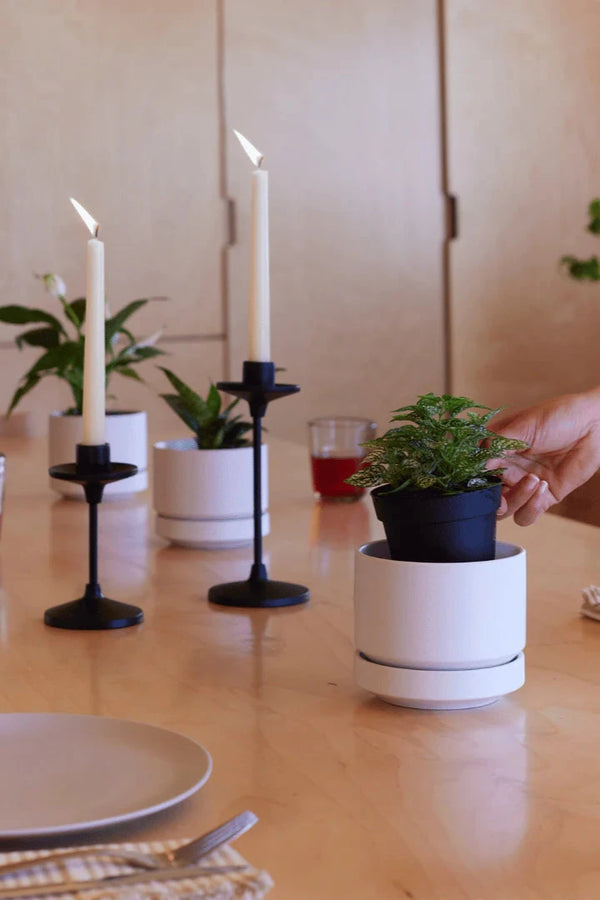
[[185, 855]]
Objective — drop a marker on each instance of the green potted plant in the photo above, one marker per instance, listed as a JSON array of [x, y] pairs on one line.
[[61, 344], [439, 605], [203, 487], [433, 491]]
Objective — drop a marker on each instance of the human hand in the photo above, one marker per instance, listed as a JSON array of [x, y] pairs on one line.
[[564, 452]]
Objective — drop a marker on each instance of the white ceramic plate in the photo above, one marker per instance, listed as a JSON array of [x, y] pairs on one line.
[[61, 773]]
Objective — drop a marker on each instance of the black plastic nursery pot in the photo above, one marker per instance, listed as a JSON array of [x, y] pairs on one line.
[[428, 527]]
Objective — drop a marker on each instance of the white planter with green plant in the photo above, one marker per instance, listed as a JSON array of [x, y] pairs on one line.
[[439, 605], [203, 485], [61, 344]]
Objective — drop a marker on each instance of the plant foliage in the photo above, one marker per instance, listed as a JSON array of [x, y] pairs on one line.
[[213, 426], [443, 446], [586, 269], [62, 343]]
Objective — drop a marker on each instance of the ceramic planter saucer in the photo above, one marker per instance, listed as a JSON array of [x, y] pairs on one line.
[[431, 689]]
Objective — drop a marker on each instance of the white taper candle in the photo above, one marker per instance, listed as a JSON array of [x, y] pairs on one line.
[[259, 309], [94, 391]]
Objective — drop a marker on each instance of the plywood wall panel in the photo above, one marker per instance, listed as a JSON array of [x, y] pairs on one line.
[[343, 101], [523, 132], [116, 104]]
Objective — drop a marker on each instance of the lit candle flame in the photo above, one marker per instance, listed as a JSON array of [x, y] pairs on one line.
[[89, 220], [255, 155]]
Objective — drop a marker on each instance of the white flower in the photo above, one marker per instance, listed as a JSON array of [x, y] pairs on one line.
[[54, 285]]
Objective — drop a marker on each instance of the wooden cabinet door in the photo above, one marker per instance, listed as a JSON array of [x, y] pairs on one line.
[[115, 104], [342, 99], [523, 136]]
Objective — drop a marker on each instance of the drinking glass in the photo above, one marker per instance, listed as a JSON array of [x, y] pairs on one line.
[[336, 453]]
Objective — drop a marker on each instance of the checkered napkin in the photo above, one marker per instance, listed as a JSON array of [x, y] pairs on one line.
[[248, 884], [591, 602]]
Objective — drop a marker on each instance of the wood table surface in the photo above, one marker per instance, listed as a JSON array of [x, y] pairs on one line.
[[357, 799]]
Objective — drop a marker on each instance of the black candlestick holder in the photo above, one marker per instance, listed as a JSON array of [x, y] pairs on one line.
[[93, 470], [259, 389]]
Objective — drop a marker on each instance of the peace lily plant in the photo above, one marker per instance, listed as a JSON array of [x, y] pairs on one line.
[[60, 336], [61, 342]]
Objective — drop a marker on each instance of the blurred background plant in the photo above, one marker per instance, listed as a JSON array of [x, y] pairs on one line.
[[62, 342], [586, 269]]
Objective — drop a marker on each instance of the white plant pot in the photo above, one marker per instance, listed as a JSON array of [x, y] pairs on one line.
[[204, 498], [126, 432], [440, 635]]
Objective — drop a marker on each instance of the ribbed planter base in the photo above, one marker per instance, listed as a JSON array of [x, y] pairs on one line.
[[204, 498], [209, 534], [438, 689]]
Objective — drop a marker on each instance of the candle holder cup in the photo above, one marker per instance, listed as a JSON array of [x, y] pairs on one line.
[[258, 388], [93, 470]]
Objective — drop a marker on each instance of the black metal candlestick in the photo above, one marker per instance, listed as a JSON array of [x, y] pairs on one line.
[[93, 470], [259, 389]]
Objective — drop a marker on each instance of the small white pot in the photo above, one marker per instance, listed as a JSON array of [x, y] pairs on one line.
[[204, 498], [126, 432], [440, 635]]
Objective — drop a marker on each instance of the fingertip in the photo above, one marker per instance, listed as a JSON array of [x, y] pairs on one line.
[[535, 507]]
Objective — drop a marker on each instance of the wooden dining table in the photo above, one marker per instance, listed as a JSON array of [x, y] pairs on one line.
[[357, 799]]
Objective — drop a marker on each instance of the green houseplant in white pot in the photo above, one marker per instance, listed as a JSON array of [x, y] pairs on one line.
[[439, 605], [61, 344], [203, 487]]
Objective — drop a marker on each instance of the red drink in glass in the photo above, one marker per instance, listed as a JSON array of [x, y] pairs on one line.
[[330, 473]]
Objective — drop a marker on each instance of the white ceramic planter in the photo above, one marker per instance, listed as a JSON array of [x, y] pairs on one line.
[[126, 432], [204, 498], [440, 635]]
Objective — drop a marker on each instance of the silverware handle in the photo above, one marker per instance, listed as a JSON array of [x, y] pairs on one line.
[[192, 852]]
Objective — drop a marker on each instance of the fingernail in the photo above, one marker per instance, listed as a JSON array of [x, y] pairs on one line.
[[532, 481], [543, 487]]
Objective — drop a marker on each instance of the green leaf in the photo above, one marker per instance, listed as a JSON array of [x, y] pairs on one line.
[[213, 401], [21, 315], [114, 325], [181, 410], [29, 383], [137, 353], [129, 373], [582, 269], [212, 425], [74, 378], [38, 337], [65, 355], [76, 311]]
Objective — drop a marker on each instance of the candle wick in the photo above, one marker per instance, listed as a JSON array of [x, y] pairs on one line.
[[97, 229]]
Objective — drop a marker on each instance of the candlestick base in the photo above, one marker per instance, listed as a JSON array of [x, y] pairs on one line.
[[80, 615], [258, 594]]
